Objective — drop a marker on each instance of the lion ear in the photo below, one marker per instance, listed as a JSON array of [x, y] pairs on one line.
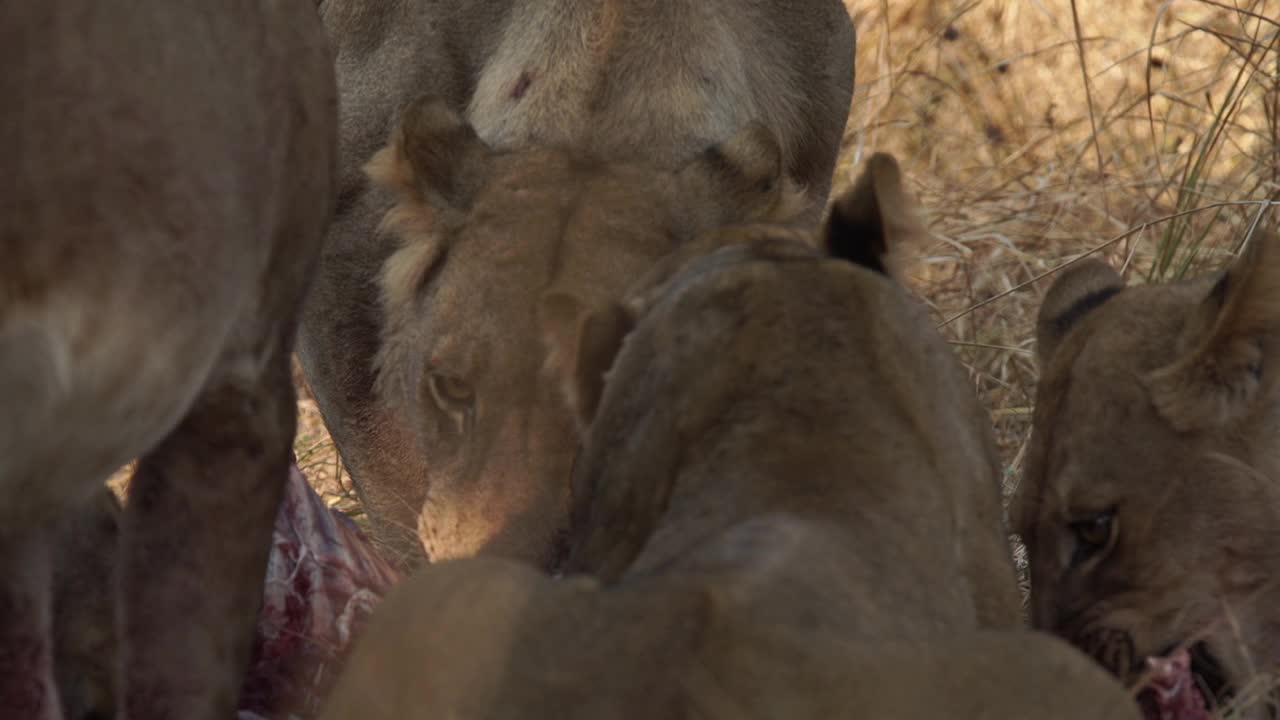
[[1226, 350], [871, 222], [1075, 293], [433, 155], [744, 175], [582, 345]]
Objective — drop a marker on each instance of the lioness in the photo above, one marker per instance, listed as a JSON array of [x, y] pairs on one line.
[[487, 229], [84, 632], [787, 496], [616, 79], [169, 174], [1150, 506]]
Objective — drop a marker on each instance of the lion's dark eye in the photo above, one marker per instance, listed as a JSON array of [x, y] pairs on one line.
[[452, 393], [1093, 534]]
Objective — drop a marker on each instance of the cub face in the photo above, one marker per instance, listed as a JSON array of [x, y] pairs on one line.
[[1150, 507]]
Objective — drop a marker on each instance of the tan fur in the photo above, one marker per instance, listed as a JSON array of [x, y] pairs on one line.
[[580, 347], [169, 175], [483, 234], [656, 82], [878, 205], [1161, 404], [787, 505]]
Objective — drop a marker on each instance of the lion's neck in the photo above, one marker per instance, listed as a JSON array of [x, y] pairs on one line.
[[801, 520]]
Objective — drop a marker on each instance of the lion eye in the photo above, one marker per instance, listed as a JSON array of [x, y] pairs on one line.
[[1092, 534], [452, 393]]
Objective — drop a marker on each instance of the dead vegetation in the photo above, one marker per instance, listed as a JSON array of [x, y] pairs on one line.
[[1036, 131]]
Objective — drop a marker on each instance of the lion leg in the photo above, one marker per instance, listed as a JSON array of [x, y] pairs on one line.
[[84, 631], [26, 650], [197, 533]]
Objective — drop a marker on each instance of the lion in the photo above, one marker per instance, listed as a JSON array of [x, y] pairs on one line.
[[652, 81], [84, 633], [481, 228], [170, 174], [786, 505], [1149, 505]]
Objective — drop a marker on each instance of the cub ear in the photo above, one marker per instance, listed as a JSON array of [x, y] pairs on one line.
[[1227, 347], [433, 155], [1076, 292], [745, 176], [870, 222], [582, 345]]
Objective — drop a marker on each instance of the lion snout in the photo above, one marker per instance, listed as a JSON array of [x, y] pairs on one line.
[[1113, 649]]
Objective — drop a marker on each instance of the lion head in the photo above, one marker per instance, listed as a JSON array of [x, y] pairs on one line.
[[483, 233], [760, 372], [1150, 507]]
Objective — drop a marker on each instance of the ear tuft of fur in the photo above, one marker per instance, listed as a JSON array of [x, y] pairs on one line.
[[1207, 390], [560, 314], [433, 156], [581, 347], [871, 222], [1077, 291], [1227, 346], [751, 158], [747, 177]]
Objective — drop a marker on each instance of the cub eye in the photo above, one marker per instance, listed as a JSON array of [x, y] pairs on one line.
[[452, 393], [1092, 534]]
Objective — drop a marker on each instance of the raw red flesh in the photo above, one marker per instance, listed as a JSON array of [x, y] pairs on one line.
[[323, 580], [1171, 692]]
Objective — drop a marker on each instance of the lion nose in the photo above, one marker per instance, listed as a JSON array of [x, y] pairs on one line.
[[1112, 648]]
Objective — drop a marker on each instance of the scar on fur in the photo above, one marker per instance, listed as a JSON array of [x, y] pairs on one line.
[[522, 85]]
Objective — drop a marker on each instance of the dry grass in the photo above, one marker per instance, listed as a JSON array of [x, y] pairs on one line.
[[1023, 167], [317, 457]]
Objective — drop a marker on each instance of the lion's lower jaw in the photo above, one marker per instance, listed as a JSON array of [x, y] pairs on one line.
[[1210, 675]]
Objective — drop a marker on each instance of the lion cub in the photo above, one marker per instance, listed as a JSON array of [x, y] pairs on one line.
[[1150, 506], [785, 506]]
